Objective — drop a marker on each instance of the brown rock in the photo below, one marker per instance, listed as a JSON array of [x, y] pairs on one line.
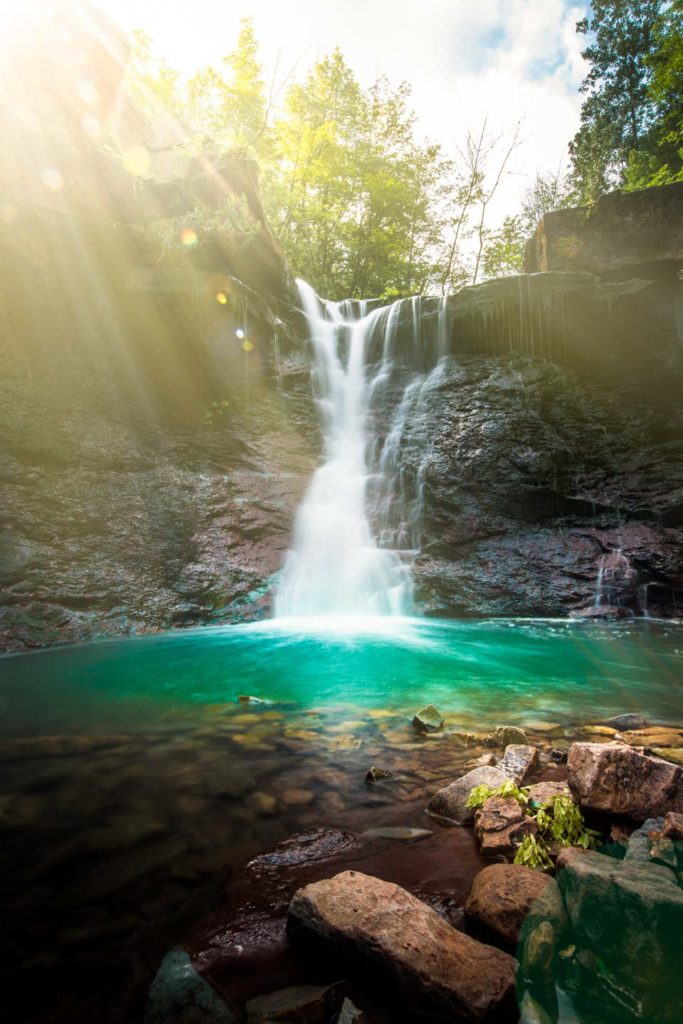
[[502, 896], [673, 826], [518, 761], [429, 719], [450, 803], [616, 778], [414, 952], [500, 826], [541, 792], [504, 735], [301, 1004]]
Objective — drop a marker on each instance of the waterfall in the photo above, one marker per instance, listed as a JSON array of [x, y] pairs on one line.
[[345, 559]]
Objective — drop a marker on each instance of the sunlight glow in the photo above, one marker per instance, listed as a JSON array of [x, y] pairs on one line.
[[137, 160], [52, 179]]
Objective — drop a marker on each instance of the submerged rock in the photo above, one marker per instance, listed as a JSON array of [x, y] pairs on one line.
[[429, 719], [375, 774], [398, 832], [450, 803], [624, 722], [301, 1004], [504, 735], [502, 896], [178, 995], [412, 952], [618, 779]]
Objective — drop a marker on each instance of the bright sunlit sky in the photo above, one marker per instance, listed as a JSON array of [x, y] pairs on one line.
[[464, 59]]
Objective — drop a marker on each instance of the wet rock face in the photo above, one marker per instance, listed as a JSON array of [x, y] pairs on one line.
[[382, 929], [122, 526], [548, 491]]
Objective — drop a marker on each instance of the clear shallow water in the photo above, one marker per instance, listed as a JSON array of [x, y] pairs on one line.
[[479, 673]]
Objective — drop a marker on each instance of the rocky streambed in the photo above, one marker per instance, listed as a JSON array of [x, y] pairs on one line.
[[120, 848]]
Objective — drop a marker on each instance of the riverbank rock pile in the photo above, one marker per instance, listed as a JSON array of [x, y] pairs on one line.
[[359, 941]]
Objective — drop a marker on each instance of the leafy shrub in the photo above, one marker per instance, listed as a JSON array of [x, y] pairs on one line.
[[480, 794]]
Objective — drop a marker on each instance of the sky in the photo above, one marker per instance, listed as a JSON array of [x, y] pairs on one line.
[[465, 59]]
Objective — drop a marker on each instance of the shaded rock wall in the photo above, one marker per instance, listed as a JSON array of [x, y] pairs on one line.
[[625, 234]]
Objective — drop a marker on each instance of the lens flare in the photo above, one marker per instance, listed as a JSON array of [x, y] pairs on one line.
[[87, 91], [247, 345], [239, 333], [222, 298], [189, 237], [52, 179], [91, 126]]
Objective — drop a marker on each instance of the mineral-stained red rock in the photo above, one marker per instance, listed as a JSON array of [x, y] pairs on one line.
[[381, 929]]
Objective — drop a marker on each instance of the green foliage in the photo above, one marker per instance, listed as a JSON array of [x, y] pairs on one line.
[[631, 120], [659, 158], [214, 412], [533, 853], [229, 107], [480, 794], [560, 820], [352, 194], [232, 220]]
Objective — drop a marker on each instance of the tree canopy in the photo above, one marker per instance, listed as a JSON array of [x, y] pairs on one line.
[[630, 133]]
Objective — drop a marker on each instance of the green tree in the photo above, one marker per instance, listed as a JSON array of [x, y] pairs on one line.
[[659, 158], [616, 114], [351, 191], [229, 107]]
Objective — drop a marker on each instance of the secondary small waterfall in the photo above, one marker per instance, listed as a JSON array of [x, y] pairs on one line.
[[352, 544]]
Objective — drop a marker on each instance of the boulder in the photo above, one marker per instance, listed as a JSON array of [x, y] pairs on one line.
[[635, 938], [673, 826], [500, 825], [504, 735], [429, 719], [403, 945], [450, 803], [178, 995], [301, 1004], [518, 761], [502, 896], [618, 779], [541, 792]]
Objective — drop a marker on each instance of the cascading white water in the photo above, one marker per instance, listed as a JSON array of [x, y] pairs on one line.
[[336, 565]]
